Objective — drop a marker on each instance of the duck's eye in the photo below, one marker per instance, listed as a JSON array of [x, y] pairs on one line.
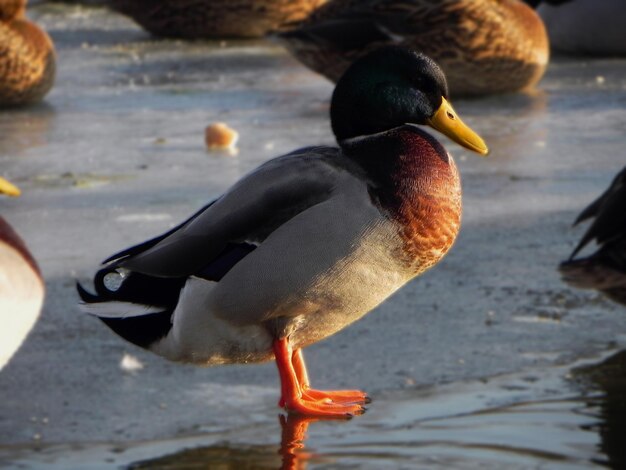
[[450, 115]]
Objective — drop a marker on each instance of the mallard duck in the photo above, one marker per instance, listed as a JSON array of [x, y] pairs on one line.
[[21, 286], [307, 243], [27, 58], [594, 27], [605, 269], [192, 19], [483, 46]]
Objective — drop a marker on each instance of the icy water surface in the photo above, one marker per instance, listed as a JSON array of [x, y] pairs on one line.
[[563, 418], [476, 364]]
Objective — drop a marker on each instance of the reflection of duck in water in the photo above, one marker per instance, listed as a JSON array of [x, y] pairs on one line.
[[608, 378], [27, 59], [306, 244], [215, 18], [21, 286], [292, 452], [595, 27], [483, 46], [604, 270]]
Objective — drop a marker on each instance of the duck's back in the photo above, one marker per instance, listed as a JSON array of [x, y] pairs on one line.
[[483, 46], [502, 44], [215, 18]]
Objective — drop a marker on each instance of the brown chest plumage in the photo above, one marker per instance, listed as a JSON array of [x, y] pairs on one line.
[[430, 222], [417, 184]]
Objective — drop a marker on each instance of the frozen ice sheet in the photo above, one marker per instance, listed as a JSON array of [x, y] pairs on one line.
[[116, 155]]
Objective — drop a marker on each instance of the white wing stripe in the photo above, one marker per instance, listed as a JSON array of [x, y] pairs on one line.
[[116, 309]]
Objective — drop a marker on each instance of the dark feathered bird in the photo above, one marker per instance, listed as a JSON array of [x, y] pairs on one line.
[[605, 269]]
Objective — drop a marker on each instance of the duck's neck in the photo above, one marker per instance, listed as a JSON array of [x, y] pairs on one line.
[[415, 181], [375, 111], [401, 159]]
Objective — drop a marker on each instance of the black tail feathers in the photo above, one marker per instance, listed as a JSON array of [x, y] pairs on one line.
[[158, 296]]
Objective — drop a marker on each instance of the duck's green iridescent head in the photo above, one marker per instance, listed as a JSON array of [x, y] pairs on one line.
[[393, 86]]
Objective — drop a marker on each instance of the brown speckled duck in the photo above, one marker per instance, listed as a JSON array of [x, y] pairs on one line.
[[27, 58], [21, 286], [483, 46], [192, 19], [605, 269], [307, 243]]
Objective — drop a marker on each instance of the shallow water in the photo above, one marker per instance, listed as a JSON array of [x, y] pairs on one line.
[[470, 366], [566, 417]]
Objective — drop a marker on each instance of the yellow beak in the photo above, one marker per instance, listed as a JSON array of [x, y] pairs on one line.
[[8, 188], [446, 121]]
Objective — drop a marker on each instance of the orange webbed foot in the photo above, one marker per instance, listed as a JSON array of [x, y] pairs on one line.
[[337, 396], [298, 398], [355, 397], [322, 408]]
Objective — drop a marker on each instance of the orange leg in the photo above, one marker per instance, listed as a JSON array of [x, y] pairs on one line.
[[336, 396], [295, 400]]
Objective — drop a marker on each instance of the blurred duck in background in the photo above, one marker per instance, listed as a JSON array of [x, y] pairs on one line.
[[605, 269], [27, 57], [483, 46], [21, 286], [591, 27], [191, 19]]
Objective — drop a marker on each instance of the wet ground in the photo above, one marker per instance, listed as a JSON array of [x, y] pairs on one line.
[[553, 418], [477, 364]]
